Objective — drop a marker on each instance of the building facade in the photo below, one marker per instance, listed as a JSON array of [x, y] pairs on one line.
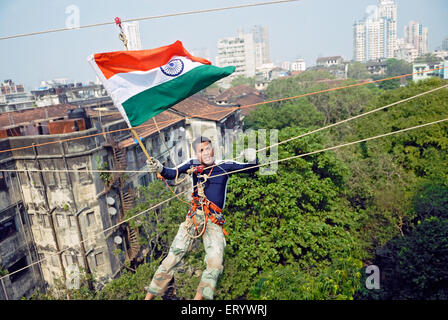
[[246, 51], [406, 51], [56, 212], [375, 36], [424, 73], [17, 248], [261, 44], [445, 44], [298, 65], [132, 32], [416, 35], [14, 97]]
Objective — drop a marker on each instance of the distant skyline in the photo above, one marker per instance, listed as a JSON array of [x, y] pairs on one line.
[[304, 29]]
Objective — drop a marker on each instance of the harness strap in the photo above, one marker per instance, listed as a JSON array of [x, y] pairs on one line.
[[207, 205]]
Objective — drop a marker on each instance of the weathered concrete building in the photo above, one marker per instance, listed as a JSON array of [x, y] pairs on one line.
[[17, 248], [70, 212]]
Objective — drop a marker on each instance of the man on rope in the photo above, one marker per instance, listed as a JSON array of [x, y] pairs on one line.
[[203, 219]]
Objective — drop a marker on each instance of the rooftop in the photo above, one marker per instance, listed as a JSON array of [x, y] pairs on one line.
[[35, 115], [236, 92], [199, 107], [146, 129], [322, 59], [248, 99]]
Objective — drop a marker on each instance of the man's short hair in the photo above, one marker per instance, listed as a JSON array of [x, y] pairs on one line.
[[200, 140]]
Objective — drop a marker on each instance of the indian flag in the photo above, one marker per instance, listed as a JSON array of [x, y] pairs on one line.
[[143, 83]]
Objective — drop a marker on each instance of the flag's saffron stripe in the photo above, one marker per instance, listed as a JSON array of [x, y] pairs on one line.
[[155, 100], [122, 86], [111, 63]]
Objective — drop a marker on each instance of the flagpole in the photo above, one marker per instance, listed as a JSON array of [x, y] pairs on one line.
[[122, 37]]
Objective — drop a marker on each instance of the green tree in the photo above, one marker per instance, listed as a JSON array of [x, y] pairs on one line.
[[429, 58], [431, 199], [243, 80], [358, 70], [297, 113], [395, 67], [414, 266]]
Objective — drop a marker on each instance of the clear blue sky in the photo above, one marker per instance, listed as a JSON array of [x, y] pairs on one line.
[[307, 29]]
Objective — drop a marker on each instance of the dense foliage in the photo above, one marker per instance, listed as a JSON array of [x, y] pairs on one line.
[[309, 231]]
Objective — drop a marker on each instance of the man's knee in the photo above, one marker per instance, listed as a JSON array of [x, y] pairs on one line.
[[214, 261]]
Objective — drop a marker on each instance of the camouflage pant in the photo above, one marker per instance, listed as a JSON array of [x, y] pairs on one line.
[[214, 244]]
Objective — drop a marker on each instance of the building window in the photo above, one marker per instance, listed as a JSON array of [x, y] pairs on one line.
[[144, 180], [7, 229], [23, 178], [3, 185], [31, 216], [90, 217], [41, 257], [45, 220], [84, 176], [71, 221], [60, 220], [17, 266], [71, 259], [50, 179], [54, 261], [63, 178], [35, 179], [99, 259]]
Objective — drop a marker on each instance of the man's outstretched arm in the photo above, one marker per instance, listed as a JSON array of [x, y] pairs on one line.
[[236, 167], [168, 173]]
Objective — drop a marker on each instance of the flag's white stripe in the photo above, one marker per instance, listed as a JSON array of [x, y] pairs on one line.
[[123, 86], [103, 80]]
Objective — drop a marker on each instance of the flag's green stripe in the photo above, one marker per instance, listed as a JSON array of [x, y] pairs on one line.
[[147, 104]]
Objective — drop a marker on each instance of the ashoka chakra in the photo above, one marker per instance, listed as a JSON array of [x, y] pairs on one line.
[[173, 68]]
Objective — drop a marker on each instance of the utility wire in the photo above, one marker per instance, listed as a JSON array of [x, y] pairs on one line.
[[148, 18]]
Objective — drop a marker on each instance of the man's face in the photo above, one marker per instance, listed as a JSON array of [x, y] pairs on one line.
[[205, 153]]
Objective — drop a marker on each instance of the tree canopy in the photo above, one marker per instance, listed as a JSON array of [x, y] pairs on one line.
[[309, 230]]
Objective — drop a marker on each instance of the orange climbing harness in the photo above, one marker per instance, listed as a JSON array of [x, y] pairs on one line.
[[206, 205]]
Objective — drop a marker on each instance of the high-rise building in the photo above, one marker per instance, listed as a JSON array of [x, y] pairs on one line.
[[417, 35], [246, 51], [132, 32], [445, 44], [239, 52], [375, 36], [261, 44]]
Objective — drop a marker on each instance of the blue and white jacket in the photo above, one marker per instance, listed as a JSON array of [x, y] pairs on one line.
[[215, 188]]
